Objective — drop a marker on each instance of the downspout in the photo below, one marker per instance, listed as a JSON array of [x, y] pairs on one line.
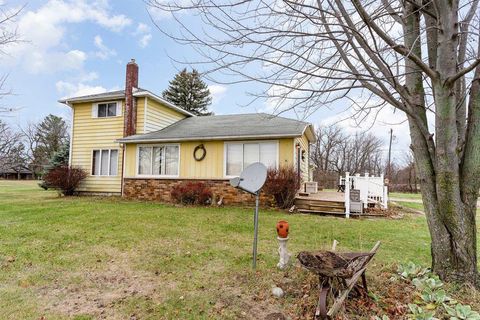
[[70, 148], [123, 146]]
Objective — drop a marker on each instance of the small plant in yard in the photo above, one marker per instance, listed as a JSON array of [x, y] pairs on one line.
[[411, 270], [282, 184], [433, 300], [192, 193], [65, 179], [462, 312], [418, 313]]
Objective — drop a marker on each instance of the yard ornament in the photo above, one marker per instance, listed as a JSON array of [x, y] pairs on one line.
[[282, 232]]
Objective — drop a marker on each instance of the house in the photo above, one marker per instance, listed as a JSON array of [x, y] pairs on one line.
[[16, 173], [134, 143]]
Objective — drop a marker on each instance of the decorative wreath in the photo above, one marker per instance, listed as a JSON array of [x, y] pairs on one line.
[[199, 152]]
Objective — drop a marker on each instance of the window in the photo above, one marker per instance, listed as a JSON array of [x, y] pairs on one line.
[[107, 109], [241, 155], [159, 160], [105, 162]]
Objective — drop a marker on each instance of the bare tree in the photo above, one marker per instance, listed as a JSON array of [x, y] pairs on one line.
[[8, 141], [417, 56], [43, 140], [8, 37], [31, 140], [335, 152], [329, 139]]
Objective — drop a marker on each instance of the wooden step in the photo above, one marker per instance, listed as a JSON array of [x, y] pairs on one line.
[[322, 212], [326, 208], [300, 201]]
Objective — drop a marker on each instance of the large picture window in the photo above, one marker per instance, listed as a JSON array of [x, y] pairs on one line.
[[240, 155], [105, 162], [159, 160]]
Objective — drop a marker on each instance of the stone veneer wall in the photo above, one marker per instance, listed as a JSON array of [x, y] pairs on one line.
[[159, 190]]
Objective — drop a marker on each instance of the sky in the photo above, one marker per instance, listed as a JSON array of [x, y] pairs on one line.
[[72, 48]]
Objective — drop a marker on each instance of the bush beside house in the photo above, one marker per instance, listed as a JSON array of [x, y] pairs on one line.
[[65, 179], [192, 193], [282, 184]]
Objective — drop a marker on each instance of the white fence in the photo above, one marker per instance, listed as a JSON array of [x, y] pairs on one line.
[[372, 190]]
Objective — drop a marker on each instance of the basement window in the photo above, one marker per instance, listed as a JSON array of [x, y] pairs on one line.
[[158, 160], [105, 162]]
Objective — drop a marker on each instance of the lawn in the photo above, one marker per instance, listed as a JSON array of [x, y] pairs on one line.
[[405, 195], [93, 258]]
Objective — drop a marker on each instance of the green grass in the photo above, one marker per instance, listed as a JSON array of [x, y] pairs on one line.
[[412, 205], [87, 258], [405, 195]]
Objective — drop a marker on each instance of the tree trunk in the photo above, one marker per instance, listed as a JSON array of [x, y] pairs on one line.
[[451, 221]]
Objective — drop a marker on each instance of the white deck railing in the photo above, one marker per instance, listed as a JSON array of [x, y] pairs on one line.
[[372, 190]]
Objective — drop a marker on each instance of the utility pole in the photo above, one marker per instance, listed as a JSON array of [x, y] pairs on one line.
[[389, 168]]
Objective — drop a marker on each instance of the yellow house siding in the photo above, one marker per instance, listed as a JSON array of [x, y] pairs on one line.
[[285, 152], [140, 125], [304, 165], [91, 134], [130, 160], [212, 167], [159, 116]]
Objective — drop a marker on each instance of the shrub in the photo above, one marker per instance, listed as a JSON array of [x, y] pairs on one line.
[[282, 184], [65, 179], [192, 193]]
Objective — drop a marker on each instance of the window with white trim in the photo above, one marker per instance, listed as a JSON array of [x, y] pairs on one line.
[[158, 160], [240, 155], [105, 162], [106, 109]]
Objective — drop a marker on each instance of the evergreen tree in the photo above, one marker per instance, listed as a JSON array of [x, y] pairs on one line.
[[188, 91], [44, 140], [60, 157]]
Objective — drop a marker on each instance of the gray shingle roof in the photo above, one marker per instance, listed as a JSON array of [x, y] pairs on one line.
[[96, 96], [226, 127], [120, 94]]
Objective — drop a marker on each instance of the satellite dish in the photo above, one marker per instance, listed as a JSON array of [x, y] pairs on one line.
[[251, 179]]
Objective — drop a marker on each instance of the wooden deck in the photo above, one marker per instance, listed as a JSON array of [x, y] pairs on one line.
[[322, 202]]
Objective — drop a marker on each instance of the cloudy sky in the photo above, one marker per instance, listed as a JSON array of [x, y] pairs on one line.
[[80, 47]]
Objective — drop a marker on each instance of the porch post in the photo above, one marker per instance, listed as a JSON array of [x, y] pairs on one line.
[[367, 180], [347, 195]]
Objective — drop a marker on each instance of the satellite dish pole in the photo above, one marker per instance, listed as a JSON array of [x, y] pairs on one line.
[[252, 180], [255, 229]]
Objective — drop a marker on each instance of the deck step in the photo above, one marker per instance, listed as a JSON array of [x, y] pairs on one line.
[[322, 212], [322, 209], [300, 201], [326, 208]]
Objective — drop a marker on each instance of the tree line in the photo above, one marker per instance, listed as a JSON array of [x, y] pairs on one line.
[[34, 146], [337, 151]]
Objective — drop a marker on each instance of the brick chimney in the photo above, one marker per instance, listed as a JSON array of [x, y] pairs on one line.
[[131, 83]]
